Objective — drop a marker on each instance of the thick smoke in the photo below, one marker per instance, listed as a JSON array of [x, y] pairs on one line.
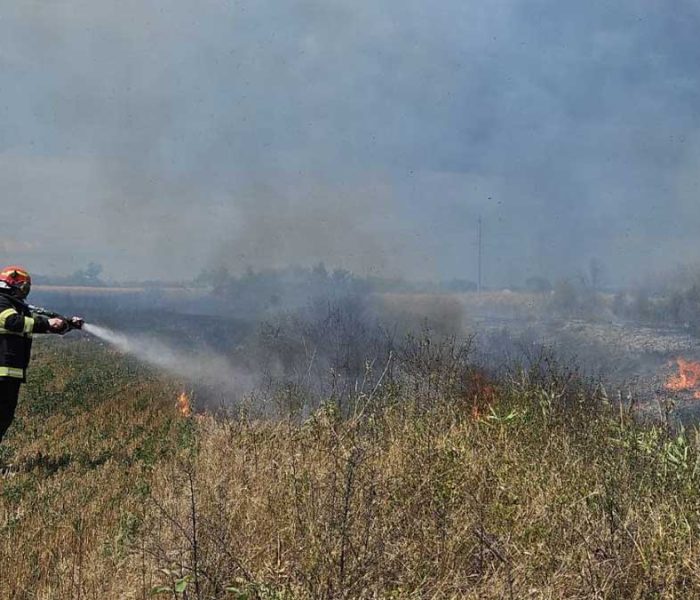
[[161, 140]]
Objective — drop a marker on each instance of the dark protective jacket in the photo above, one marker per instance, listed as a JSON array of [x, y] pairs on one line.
[[16, 328]]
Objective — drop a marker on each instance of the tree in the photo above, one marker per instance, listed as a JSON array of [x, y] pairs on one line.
[[596, 270], [90, 275], [320, 273]]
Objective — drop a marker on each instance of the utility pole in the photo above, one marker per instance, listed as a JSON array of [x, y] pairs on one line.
[[478, 236]]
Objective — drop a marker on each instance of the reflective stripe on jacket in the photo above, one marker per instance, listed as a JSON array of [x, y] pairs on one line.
[[16, 328]]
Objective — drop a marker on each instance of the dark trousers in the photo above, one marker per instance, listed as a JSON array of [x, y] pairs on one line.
[[9, 392]]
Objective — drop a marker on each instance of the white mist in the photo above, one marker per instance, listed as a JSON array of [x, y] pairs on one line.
[[205, 368]]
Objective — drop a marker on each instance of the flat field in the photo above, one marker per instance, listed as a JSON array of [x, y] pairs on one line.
[[443, 483]]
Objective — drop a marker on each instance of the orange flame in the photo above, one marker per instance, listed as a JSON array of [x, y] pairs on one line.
[[184, 405], [481, 393], [688, 378]]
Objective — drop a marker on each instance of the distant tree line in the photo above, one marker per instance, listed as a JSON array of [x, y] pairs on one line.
[[89, 276], [679, 307], [667, 299], [270, 289]]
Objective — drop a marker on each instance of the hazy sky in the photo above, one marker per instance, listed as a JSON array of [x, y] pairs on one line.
[[159, 137]]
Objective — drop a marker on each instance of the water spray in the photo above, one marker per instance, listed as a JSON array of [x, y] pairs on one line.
[[206, 368], [209, 369]]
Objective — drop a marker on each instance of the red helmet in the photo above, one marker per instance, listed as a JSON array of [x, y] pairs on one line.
[[16, 278]]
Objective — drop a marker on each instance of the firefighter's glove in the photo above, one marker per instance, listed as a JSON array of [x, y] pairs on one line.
[[58, 326]]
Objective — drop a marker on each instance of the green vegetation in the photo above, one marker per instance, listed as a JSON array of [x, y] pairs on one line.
[[442, 483]]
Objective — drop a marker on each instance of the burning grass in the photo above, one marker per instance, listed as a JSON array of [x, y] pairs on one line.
[[687, 378], [527, 486], [184, 404]]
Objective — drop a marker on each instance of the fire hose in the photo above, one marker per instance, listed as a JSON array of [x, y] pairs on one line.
[[71, 322]]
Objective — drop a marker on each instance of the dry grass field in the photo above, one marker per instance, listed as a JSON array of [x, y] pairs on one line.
[[442, 483]]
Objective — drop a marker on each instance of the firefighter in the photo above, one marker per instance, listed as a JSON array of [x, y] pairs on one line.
[[17, 325]]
